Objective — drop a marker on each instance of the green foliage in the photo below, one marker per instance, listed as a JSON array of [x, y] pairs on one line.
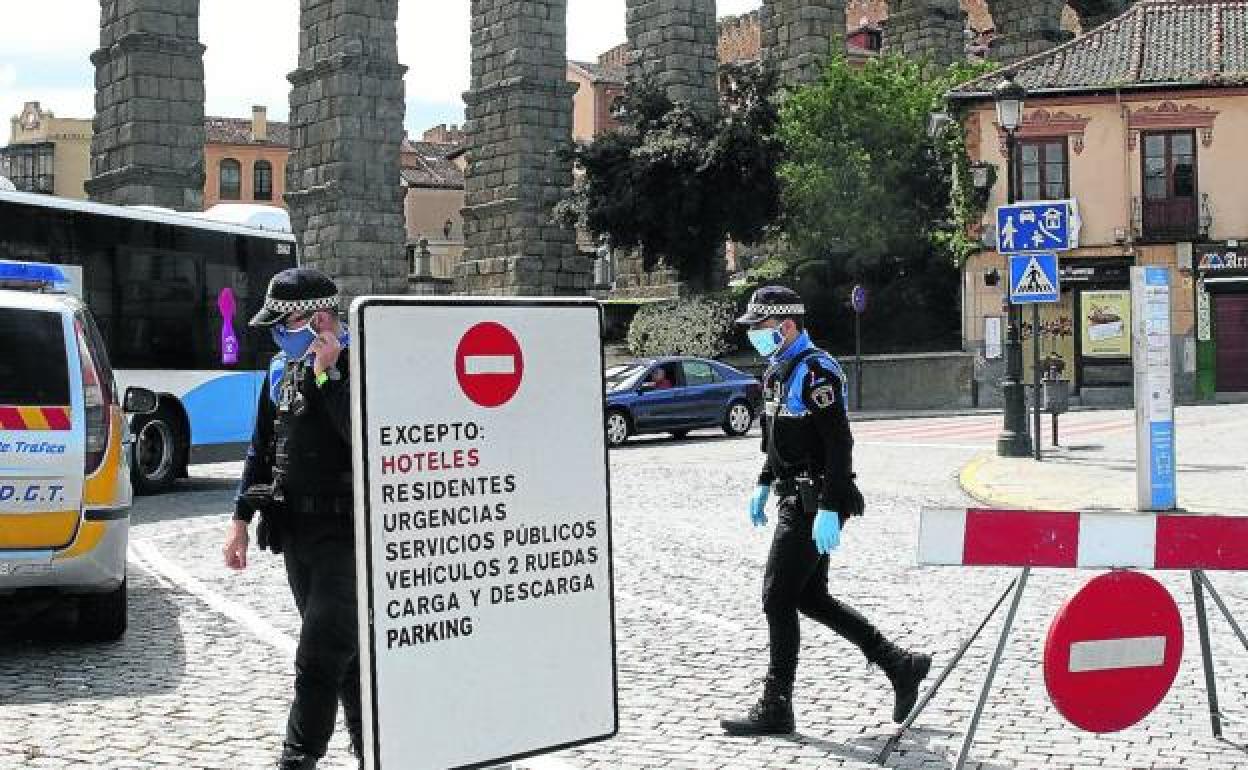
[[699, 326], [674, 182], [863, 181]]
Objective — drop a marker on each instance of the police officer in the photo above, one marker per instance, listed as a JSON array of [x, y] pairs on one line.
[[297, 476], [808, 444]]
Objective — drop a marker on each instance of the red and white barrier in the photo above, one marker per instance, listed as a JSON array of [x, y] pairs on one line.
[[1069, 539]]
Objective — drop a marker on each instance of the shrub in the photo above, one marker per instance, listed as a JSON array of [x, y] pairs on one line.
[[698, 326]]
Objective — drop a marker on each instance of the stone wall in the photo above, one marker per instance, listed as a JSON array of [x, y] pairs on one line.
[[1026, 27], [148, 143], [675, 42], [798, 36], [346, 128], [932, 28], [519, 113]]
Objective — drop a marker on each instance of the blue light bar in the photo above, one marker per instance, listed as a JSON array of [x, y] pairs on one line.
[[34, 274]]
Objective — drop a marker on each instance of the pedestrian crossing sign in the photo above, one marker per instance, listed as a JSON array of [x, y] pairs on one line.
[[1033, 278]]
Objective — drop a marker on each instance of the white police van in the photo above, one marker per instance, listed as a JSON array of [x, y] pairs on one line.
[[64, 470]]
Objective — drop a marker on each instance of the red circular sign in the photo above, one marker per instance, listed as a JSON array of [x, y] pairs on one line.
[[1113, 652], [489, 364]]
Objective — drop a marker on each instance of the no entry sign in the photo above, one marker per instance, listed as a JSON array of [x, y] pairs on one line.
[[1113, 651], [489, 364], [482, 530]]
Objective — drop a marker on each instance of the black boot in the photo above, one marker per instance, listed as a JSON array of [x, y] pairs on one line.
[[296, 759], [772, 715], [906, 670]]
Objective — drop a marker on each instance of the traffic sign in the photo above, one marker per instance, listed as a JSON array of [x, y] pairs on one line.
[[1034, 278], [489, 364], [1113, 652], [1037, 226], [483, 542], [858, 299]]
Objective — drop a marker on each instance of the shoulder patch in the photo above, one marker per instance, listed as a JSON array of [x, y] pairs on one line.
[[824, 396]]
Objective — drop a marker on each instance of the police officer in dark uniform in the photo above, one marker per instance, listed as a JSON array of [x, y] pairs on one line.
[[297, 476], [809, 465]]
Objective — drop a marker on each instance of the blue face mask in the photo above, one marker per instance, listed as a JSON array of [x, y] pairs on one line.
[[294, 342], [766, 341]]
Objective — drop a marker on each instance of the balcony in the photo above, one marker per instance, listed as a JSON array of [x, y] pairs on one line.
[[1171, 219]]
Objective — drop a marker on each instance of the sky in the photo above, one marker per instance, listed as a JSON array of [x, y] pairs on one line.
[[252, 46]]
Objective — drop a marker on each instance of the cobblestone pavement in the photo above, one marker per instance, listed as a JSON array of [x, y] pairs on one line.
[[202, 679]]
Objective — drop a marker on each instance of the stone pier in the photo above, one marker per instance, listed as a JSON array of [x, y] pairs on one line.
[[798, 36], [148, 140], [346, 128], [676, 43], [519, 112], [1026, 27], [931, 28]]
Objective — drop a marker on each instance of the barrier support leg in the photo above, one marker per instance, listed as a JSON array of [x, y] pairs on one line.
[[1226, 613], [891, 745], [1206, 654], [992, 670]]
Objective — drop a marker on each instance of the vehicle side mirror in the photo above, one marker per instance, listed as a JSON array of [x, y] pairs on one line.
[[139, 401]]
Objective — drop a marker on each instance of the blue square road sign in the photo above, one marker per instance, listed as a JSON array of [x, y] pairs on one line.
[[1037, 226], [1033, 278]]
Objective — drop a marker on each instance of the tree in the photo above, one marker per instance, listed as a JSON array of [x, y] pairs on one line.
[[870, 197], [674, 181]]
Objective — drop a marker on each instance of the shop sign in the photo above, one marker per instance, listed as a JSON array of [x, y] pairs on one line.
[[1222, 260]]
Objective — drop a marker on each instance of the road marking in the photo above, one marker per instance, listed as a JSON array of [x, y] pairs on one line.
[[244, 616], [907, 444]]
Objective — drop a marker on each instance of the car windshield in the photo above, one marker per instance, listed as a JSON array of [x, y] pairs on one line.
[[624, 376]]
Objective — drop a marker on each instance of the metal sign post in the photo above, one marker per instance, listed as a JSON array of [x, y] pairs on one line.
[[1154, 389], [483, 533], [859, 301], [1035, 278]]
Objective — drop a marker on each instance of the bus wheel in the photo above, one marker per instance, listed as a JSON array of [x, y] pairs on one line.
[[159, 451], [102, 618]]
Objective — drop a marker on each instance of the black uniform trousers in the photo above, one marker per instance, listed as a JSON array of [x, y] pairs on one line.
[[320, 565], [796, 581]]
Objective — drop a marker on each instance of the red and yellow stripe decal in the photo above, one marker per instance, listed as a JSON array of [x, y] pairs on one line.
[[34, 418]]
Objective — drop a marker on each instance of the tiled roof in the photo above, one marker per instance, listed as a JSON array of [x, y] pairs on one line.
[[238, 131], [601, 73], [1155, 43], [425, 164]]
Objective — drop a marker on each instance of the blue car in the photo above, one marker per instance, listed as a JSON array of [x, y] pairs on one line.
[[676, 395]]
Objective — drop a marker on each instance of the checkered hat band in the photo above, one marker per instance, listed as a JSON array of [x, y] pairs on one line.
[[770, 310], [301, 305]]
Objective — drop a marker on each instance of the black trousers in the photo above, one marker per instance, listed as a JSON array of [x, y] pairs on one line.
[[796, 582], [320, 565]]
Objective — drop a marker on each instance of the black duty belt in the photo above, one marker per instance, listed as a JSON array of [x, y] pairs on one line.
[[791, 487], [321, 505]]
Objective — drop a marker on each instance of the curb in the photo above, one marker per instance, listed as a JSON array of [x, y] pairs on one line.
[[971, 483]]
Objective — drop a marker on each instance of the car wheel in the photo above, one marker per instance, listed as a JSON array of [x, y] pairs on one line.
[[739, 418], [159, 451], [617, 427], [102, 618]]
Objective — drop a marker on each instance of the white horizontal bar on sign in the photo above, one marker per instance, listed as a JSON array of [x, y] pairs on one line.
[[1117, 540], [1109, 654], [489, 364], [942, 536]]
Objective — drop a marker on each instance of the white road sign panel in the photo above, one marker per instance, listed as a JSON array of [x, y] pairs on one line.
[[482, 530]]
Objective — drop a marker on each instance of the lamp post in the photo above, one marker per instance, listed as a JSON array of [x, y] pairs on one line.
[[1015, 440]]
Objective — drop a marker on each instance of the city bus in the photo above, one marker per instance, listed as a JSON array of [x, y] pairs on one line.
[[171, 294]]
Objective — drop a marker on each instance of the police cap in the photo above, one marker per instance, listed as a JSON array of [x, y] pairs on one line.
[[770, 302], [296, 290]]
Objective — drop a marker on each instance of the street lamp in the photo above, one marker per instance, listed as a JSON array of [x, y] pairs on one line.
[[1015, 440]]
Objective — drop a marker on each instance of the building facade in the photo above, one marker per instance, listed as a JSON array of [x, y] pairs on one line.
[[245, 160], [1141, 122], [47, 154]]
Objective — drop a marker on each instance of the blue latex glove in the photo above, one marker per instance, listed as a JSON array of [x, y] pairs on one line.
[[827, 531], [757, 501]]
